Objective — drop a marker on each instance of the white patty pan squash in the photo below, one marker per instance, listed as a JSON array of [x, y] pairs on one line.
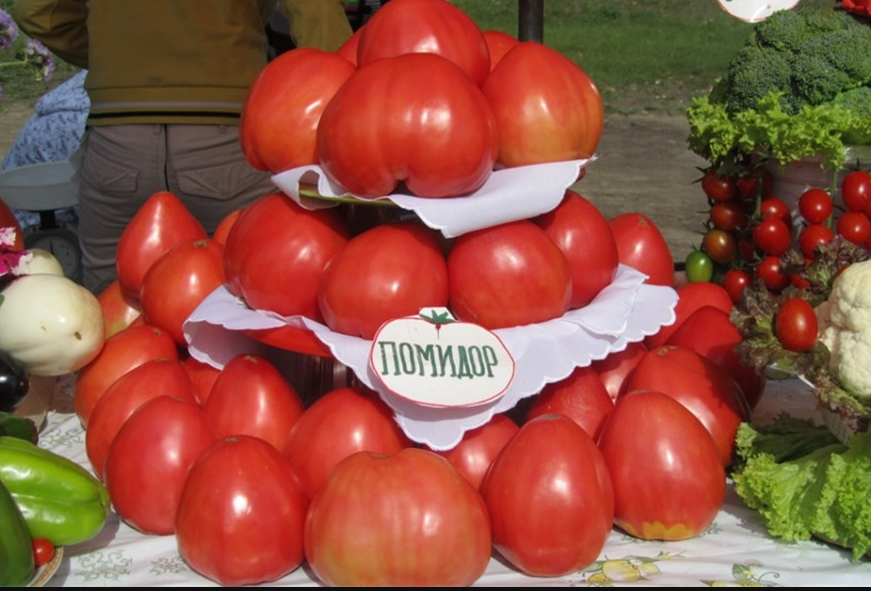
[[50, 324]]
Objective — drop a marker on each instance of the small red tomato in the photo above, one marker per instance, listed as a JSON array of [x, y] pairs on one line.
[[771, 273], [812, 236], [734, 282], [772, 235], [728, 215], [43, 551], [721, 246], [718, 187], [796, 325], [856, 190], [815, 205], [775, 207], [854, 226]]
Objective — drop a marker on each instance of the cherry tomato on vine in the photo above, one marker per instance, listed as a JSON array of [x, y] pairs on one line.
[[771, 273], [734, 282], [772, 236], [699, 266], [720, 245], [856, 190], [718, 187], [728, 215], [815, 205], [812, 236], [776, 207], [43, 551], [854, 226], [795, 325], [748, 187]]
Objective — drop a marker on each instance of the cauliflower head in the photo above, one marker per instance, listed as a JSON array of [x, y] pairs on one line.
[[845, 328]]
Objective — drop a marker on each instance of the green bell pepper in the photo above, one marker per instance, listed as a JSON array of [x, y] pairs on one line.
[[60, 500], [16, 553]]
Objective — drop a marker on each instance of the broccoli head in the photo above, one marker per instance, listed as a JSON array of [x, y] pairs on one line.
[[828, 64], [858, 101], [753, 73]]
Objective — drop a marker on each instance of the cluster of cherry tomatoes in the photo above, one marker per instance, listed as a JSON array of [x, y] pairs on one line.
[[749, 228]]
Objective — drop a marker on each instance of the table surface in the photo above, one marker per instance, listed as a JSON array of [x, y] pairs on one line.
[[734, 551]]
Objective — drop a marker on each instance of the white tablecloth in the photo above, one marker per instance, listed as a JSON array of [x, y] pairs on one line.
[[735, 549]]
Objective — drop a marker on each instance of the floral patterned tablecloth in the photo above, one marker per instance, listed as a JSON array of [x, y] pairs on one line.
[[734, 551]]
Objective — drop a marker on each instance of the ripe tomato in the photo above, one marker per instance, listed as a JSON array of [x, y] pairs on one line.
[[640, 244], [348, 49], [408, 519], [770, 271], [720, 245], [178, 282], [815, 205], [710, 332], [669, 481], [755, 185], [431, 26], [280, 116], [148, 461], [565, 528], [276, 251], [616, 367], [556, 114], [241, 513], [120, 308], [153, 378], [474, 454], [43, 551], [856, 190], [439, 135], [162, 222], [700, 385], [854, 226], [582, 397], [251, 397], [202, 376], [223, 229], [775, 207], [121, 352], [691, 297], [583, 235], [511, 274], [796, 325], [735, 281], [772, 236], [336, 425], [498, 42], [812, 236], [387, 272], [718, 187], [728, 215]]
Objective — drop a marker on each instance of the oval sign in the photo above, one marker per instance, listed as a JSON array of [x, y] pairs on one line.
[[436, 361], [752, 11]]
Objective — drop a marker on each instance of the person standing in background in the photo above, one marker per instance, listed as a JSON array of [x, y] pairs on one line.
[[166, 81]]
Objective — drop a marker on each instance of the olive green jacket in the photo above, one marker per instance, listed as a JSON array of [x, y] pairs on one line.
[[172, 61]]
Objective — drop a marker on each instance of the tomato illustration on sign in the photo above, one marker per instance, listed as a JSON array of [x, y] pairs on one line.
[[436, 361]]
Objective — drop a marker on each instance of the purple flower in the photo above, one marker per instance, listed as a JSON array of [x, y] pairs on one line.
[[37, 56], [8, 30]]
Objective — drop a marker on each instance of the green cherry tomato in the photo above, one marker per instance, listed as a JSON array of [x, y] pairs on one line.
[[699, 266]]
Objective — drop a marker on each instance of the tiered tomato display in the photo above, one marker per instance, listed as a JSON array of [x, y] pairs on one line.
[[253, 481]]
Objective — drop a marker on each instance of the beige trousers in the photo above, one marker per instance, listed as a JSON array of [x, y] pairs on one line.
[[122, 166]]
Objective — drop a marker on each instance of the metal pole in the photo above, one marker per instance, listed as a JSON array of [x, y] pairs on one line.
[[531, 21]]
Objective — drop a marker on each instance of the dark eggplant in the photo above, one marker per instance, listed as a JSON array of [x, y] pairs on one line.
[[14, 382]]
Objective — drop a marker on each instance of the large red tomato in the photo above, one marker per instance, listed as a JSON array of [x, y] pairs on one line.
[[156, 377], [178, 282], [700, 385], [616, 367], [120, 308], [709, 331], [148, 461], [550, 498], [581, 397], [162, 222], [387, 272], [429, 26], [474, 454], [8, 220], [241, 514], [583, 235], [508, 275], [251, 397], [690, 297], [427, 125], [280, 116], [202, 375], [276, 251], [406, 520], [223, 229], [669, 482], [336, 425], [555, 114], [498, 42], [348, 49], [640, 244], [121, 352]]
